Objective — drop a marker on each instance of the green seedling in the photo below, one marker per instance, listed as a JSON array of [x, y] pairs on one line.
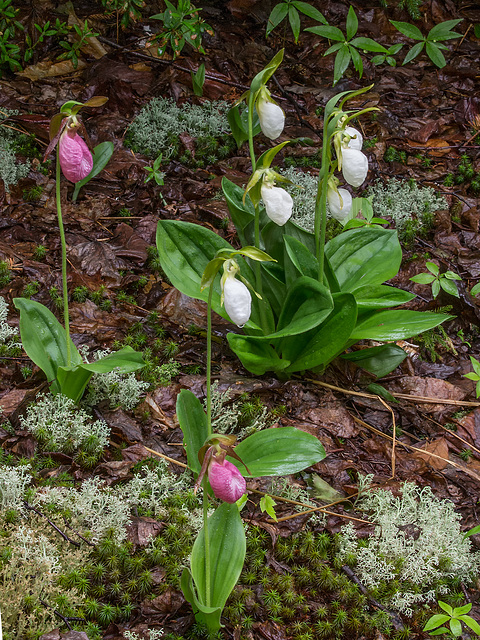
[[431, 42], [363, 206], [454, 617], [198, 80], [475, 376], [387, 55], [438, 280], [291, 8], [154, 172], [347, 47], [181, 25]]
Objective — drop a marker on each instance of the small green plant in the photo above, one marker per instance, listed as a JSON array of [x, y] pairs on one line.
[[393, 155], [73, 48], [438, 280], [454, 617], [130, 10], [48, 30], [431, 42], [347, 47], [31, 289], [387, 55], [181, 25], [40, 252], [291, 8], [154, 171], [475, 374], [198, 80]]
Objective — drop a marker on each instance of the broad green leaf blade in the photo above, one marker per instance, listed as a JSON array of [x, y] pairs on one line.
[[423, 278], [243, 213], [435, 55], [278, 452], [436, 621], [446, 607], [377, 360], [209, 616], [357, 60], [439, 31], [257, 356], [365, 256], [72, 381], [278, 13], [470, 622], [309, 11], [324, 343], [227, 544], [125, 360], [307, 304], [472, 532], [342, 60], [44, 338], [352, 23], [294, 19], [193, 423], [455, 627], [381, 296], [367, 44], [460, 611], [332, 33], [409, 30], [302, 259], [449, 286], [413, 53], [397, 324], [378, 390], [101, 155], [264, 76]]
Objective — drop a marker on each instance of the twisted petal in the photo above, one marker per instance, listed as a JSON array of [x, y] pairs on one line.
[[75, 158], [226, 481]]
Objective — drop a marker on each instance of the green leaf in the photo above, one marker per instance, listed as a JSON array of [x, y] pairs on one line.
[[352, 23], [433, 268], [267, 504], [357, 60], [439, 632], [435, 55], [475, 365], [332, 33], [381, 296], [208, 616], [475, 530], [307, 304], [238, 121], [193, 423], [304, 262], [436, 621], [278, 13], [255, 355], [423, 278], [342, 60], [443, 29], [397, 324], [101, 155], [226, 540], [470, 622], [278, 452], [365, 256], [325, 492], [367, 44], [379, 390], [451, 275], [409, 30], [377, 360], [44, 338], [460, 611], [449, 286], [294, 19], [474, 291], [455, 627], [243, 213], [309, 11], [435, 288], [319, 346], [413, 53], [198, 80], [264, 76], [333, 48]]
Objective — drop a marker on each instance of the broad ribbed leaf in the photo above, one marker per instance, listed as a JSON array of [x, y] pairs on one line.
[[381, 297], [193, 423], [377, 360], [409, 30], [226, 538], [397, 324], [365, 256], [278, 452], [257, 356], [243, 213]]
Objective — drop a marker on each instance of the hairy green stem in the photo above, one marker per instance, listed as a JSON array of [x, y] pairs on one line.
[[320, 225], [208, 594], [64, 260], [209, 360], [250, 135]]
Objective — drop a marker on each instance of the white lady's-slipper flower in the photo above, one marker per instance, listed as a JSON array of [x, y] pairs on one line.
[[339, 203], [271, 116], [354, 166], [236, 297], [278, 203], [356, 138]]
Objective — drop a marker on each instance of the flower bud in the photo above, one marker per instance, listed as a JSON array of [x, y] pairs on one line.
[[339, 203], [75, 158], [226, 481], [354, 166], [278, 203], [271, 116], [237, 300], [356, 138]]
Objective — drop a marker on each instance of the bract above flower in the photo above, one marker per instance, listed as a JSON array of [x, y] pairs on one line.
[[226, 481], [75, 158], [271, 116], [354, 166], [278, 203], [339, 203]]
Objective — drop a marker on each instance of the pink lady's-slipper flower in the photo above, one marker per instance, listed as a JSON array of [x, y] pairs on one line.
[[75, 158], [226, 481]]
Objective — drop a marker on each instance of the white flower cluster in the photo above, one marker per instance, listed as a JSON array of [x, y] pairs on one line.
[[418, 541], [61, 426]]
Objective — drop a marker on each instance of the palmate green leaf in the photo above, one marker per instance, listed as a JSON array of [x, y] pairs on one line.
[[309, 11], [278, 452], [226, 541], [379, 360], [409, 30], [413, 53], [193, 423], [367, 44], [436, 621], [327, 31], [470, 622], [396, 324], [294, 19], [352, 23], [44, 339], [365, 256]]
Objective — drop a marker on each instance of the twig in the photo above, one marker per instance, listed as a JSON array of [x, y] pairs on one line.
[[161, 455], [64, 535], [63, 618]]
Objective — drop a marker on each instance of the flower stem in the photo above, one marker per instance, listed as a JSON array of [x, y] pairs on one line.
[[209, 361], [64, 260], [206, 538], [320, 227]]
